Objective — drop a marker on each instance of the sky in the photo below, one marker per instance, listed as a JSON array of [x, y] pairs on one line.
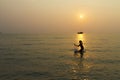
[[59, 16]]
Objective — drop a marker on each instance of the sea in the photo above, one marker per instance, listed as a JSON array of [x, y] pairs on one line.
[[52, 57]]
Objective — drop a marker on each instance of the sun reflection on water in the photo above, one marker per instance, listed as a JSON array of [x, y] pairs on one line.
[[80, 37], [81, 67], [81, 70]]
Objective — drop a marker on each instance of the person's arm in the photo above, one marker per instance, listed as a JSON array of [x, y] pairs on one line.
[[76, 45]]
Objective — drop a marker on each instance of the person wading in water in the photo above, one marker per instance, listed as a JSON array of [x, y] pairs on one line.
[[81, 51]]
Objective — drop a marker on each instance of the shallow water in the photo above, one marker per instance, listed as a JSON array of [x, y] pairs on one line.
[[51, 57]]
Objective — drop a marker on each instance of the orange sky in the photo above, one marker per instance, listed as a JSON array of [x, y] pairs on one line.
[[55, 16]]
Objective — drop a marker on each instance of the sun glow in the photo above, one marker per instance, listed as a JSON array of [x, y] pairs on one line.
[[81, 16]]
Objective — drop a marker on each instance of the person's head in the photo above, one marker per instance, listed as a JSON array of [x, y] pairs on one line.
[[80, 42]]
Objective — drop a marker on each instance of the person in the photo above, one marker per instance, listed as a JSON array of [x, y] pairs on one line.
[[81, 51]]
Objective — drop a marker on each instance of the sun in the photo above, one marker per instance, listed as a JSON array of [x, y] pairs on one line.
[[81, 16]]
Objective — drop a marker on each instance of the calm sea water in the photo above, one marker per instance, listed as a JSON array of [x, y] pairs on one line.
[[51, 57]]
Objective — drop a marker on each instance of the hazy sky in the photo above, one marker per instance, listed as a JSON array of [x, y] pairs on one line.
[[51, 16]]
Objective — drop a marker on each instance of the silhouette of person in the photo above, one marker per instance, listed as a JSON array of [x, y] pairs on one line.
[[81, 51]]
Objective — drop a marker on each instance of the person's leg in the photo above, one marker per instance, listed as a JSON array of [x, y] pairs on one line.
[[81, 54]]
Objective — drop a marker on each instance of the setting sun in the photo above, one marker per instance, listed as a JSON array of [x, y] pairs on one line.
[[81, 16]]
